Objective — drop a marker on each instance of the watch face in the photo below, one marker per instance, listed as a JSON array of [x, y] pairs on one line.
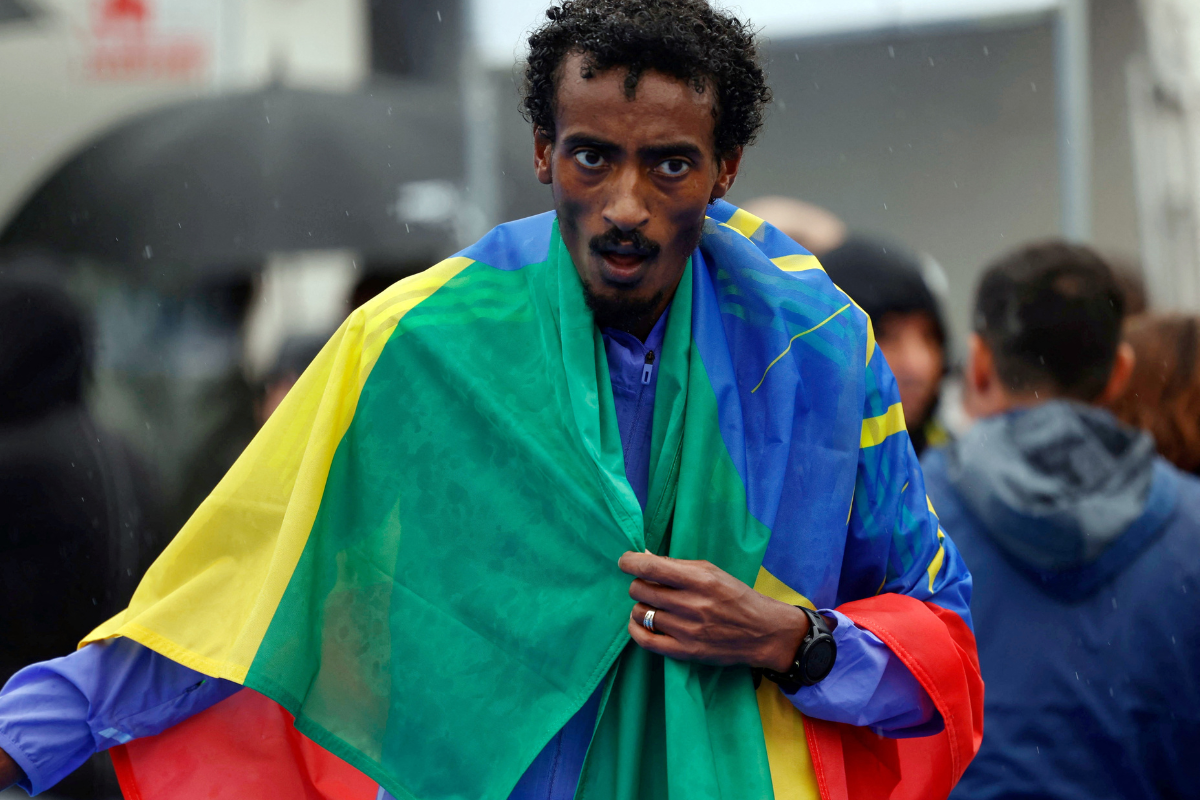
[[818, 659]]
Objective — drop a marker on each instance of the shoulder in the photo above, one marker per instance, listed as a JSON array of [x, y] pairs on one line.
[[1182, 530], [768, 281], [514, 245], [504, 249]]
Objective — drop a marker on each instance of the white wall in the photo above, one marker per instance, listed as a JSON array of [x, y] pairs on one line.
[[50, 105]]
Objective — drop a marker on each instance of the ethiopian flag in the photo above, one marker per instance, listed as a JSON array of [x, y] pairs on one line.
[[413, 567]]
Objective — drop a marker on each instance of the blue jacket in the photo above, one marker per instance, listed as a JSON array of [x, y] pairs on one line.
[[1085, 550]]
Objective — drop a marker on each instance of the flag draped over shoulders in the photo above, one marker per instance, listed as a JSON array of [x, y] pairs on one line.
[[414, 563]]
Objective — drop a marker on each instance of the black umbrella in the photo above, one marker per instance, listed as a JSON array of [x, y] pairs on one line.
[[224, 181]]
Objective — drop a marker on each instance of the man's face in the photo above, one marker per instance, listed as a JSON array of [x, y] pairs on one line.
[[631, 180], [910, 344]]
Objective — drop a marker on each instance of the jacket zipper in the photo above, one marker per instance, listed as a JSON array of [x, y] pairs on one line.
[[647, 374]]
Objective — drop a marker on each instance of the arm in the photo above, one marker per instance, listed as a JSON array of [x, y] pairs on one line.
[[869, 687], [10, 773], [56, 714], [894, 545], [704, 614]]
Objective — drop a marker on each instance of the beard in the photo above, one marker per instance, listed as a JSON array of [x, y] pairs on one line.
[[622, 313]]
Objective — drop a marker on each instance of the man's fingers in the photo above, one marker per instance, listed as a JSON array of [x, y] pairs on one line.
[[656, 642], [656, 595], [660, 569]]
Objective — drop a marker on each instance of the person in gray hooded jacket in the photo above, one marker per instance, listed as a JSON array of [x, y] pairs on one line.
[[1084, 546]]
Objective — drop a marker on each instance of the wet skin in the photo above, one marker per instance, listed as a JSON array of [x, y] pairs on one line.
[[632, 178], [640, 170]]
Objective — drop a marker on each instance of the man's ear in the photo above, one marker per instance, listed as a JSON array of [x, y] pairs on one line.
[[727, 170], [543, 152], [978, 376], [1118, 379]]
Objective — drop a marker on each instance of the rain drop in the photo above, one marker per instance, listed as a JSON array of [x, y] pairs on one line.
[[1114, 602], [985, 50], [885, 206], [891, 51], [406, 230], [1033, 86], [439, 16], [931, 61], [797, 55], [148, 252], [268, 119]]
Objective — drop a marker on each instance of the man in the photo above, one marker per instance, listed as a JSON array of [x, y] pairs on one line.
[[426, 557], [1082, 544], [887, 282], [77, 509]]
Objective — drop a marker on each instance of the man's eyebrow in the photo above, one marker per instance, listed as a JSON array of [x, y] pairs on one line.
[[574, 140], [661, 151]]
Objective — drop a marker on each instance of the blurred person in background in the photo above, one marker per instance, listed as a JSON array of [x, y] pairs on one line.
[[1163, 396], [816, 229], [78, 512], [888, 283], [497, 409], [1082, 545], [296, 353]]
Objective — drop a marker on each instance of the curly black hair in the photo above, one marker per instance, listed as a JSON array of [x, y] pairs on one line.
[[687, 39]]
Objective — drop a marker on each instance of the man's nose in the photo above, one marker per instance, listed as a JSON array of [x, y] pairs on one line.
[[626, 210]]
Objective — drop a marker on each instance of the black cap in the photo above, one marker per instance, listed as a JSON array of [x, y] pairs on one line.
[[883, 278]]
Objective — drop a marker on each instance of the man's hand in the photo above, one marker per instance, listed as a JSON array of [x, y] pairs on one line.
[[10, 773], [704, 614]]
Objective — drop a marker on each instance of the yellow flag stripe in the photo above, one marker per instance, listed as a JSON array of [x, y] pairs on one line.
[[209, 598], [935, 566], [870, 339], [793, 339], [876, 429], [744, 223], [792, 774], [797, 263], [772, 587]]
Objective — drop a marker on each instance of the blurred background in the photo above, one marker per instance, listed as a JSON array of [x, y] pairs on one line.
[[194, 193], [215, 182]]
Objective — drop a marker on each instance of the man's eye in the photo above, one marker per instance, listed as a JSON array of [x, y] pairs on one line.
[[589, 158], [674, 167]]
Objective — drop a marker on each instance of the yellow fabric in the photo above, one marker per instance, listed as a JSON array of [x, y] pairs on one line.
[[744, 223], [797, 263], [876, 429], [208, 599], [792, 774], [935, 566], [870, 338]]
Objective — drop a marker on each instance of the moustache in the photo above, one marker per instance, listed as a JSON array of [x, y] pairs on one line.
[[632, 242]]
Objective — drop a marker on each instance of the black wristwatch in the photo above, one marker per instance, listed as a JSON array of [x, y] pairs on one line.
[[813, 660]]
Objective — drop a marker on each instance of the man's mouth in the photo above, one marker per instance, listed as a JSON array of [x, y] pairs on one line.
[[623, 265]]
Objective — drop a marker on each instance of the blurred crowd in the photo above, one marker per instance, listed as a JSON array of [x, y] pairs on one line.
[[1060, 439]]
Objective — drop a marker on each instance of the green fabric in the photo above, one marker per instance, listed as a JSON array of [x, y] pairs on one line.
[[459, 597]]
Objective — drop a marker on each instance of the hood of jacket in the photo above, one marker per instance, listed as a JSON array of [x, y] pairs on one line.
[[1056, 484]]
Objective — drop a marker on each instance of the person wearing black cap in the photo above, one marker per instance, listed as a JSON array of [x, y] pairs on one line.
[[887, 282]]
